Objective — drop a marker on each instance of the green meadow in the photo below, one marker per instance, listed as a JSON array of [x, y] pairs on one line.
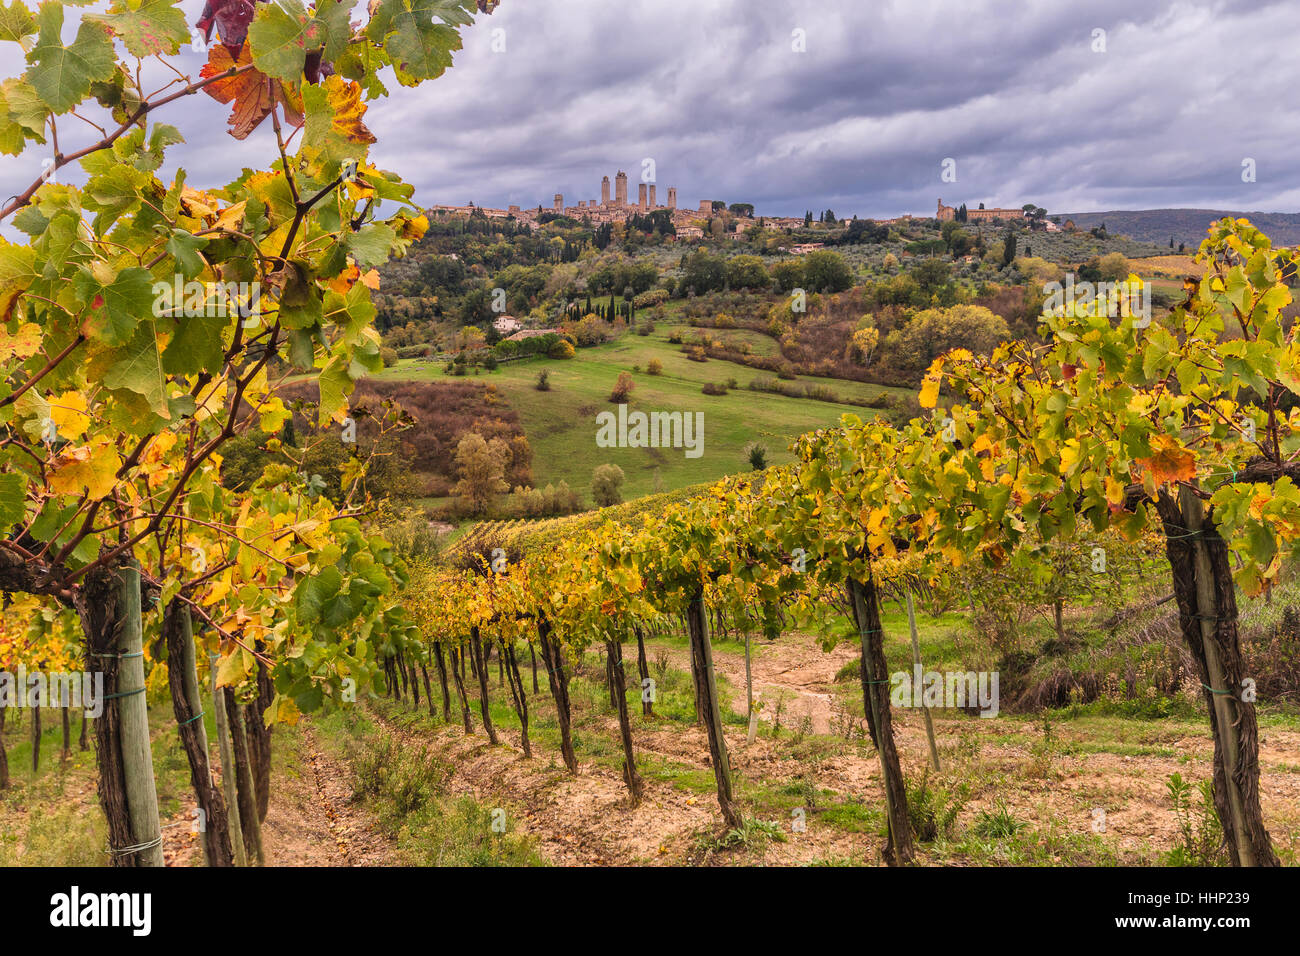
[[561, 423]]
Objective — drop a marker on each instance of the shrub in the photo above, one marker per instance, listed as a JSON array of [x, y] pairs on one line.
[[712, 388], [562, 350], [931, 811], [389, 356], [606, 485], [997, 823], [654, 367], [622, 389], [756, 455], [591, 331], [1200, 834], [490, 363], [650, 298], [544, 380]]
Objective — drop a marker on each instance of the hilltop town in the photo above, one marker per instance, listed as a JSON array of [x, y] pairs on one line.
[[691, 222]]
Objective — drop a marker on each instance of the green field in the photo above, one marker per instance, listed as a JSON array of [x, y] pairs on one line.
[[561, 423]]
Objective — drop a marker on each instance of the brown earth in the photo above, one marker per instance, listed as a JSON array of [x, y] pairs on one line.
[[588, 820]]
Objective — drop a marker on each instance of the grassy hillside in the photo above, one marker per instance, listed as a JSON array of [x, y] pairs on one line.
[[561, 423], [1185, 225]]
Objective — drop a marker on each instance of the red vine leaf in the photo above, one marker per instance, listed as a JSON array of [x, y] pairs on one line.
[[253, 95]]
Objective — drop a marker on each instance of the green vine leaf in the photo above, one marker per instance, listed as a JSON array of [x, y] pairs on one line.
[[62, 75]]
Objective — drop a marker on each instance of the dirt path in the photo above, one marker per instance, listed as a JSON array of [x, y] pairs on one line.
[[795, 678], [311, 822], [1055, 789]]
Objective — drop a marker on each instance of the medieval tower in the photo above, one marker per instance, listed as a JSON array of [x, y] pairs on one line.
[[604, 191], [620, 189]]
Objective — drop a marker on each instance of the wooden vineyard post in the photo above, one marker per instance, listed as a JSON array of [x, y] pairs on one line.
[[1208, 617], [457, 674], [752, 730], [133, 725], [916, 682], [517, 693], [553, 660], [875, 691], [242, 771], [635, 785], [187, 704], [228, 784], [643, 672], [477, 649], [442, 680], [697, 620]]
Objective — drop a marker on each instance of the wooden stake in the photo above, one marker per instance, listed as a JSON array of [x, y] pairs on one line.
[[228, 785], [133, 724], [920, 669]]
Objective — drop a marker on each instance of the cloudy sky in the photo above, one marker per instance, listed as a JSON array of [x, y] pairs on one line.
[[848, 104]]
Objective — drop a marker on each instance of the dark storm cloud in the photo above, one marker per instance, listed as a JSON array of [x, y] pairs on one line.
[[860, 122]]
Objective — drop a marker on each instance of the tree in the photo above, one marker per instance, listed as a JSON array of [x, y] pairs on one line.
[[607, 485], [932, 332], [1113, 267], [931, 275], [826, 271], [476, 307], [622, 388], [788, 274], [482, 466], [747, 272], [862, 344], [1008, 249], [704, 272]]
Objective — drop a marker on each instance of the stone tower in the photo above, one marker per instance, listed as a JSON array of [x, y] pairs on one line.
[[641, 196], [653, 204], [672, 197], [620, 188], [604, 191], [559, 202]]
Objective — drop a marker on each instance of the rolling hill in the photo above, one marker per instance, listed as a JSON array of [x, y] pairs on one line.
[[1185, 225]]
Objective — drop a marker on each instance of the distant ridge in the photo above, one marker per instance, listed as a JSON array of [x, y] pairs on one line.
[[1185, 225]]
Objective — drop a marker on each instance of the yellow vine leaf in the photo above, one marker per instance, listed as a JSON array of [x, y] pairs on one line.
[[929, 396], [345, 99], [22, 344], [92, 467], [68, 412]]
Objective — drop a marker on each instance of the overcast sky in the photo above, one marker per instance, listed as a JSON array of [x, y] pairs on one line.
[[720, 96]]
